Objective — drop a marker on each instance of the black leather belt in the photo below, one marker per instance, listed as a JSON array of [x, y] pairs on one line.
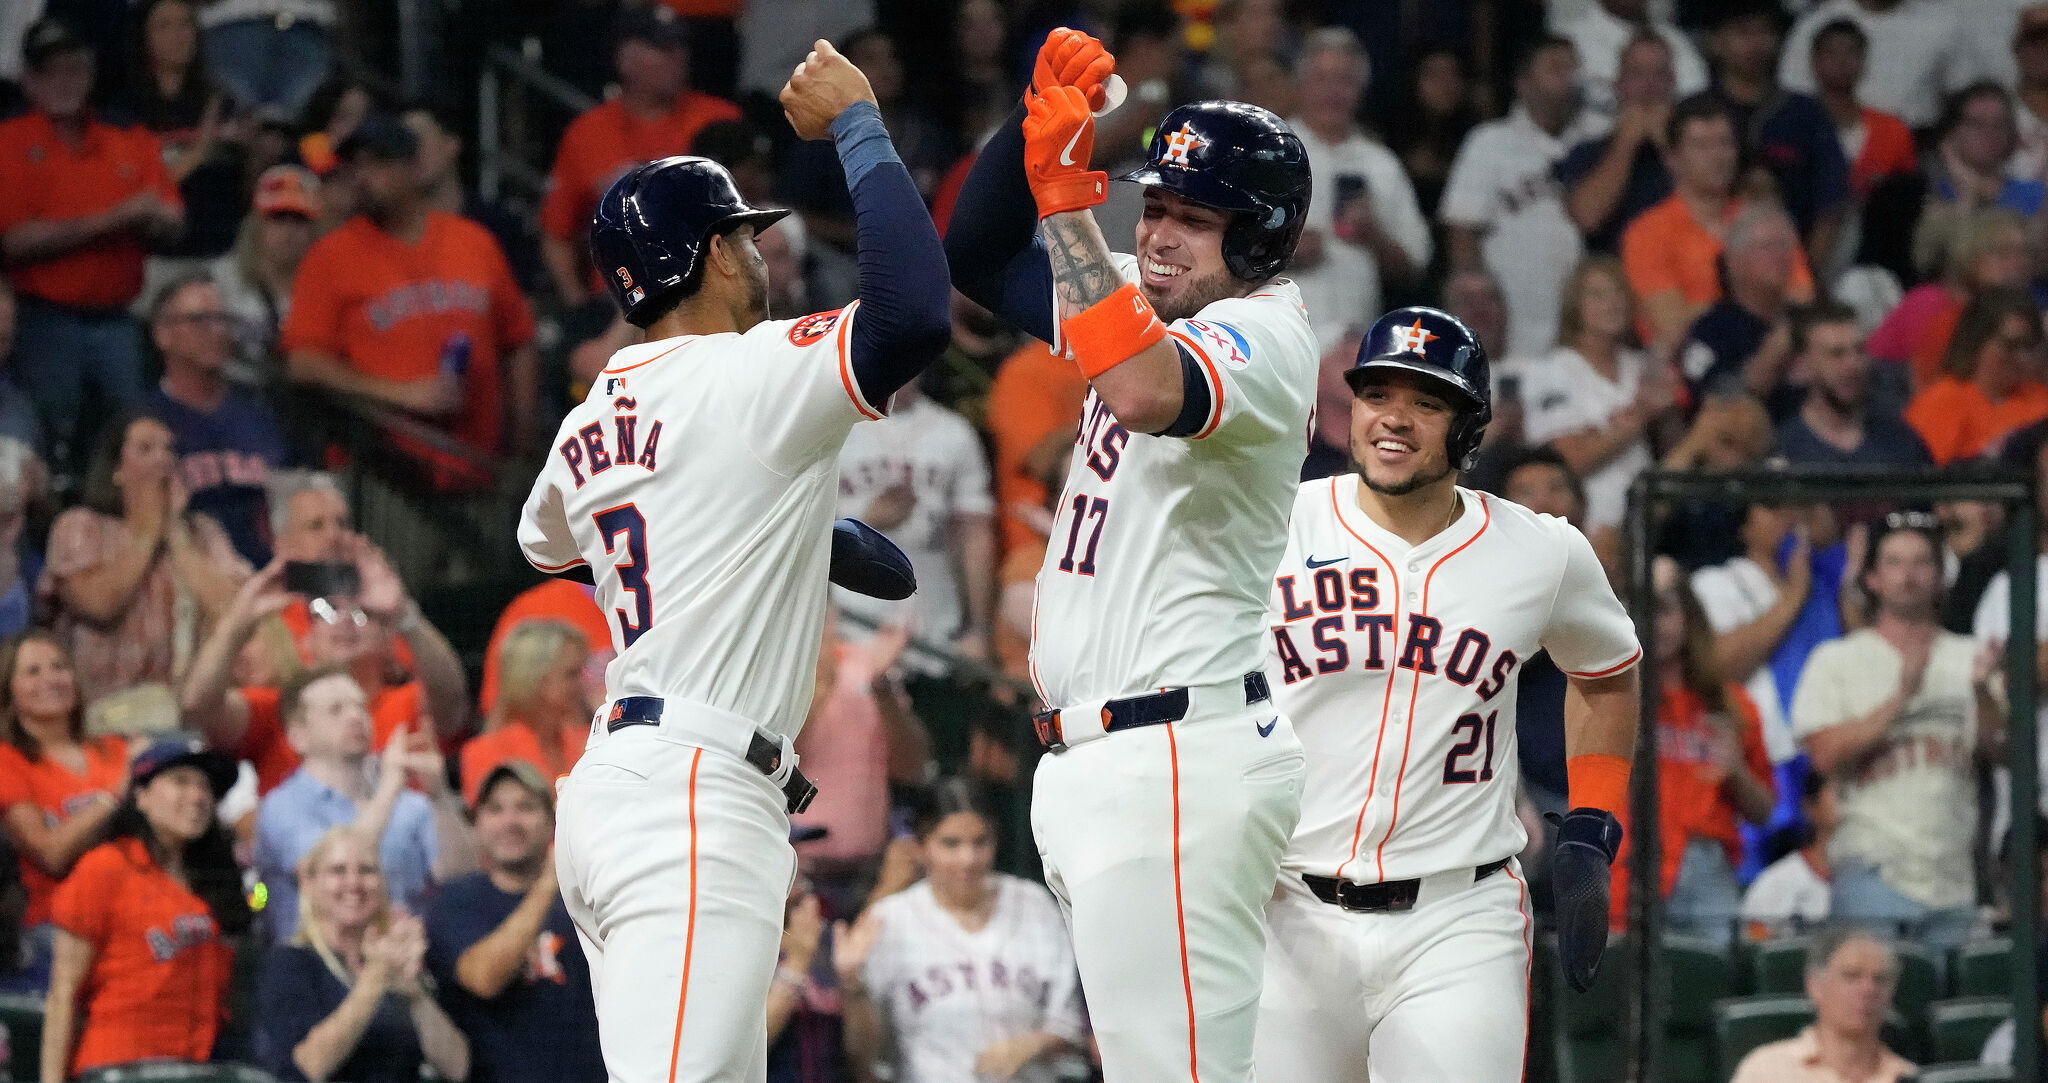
[[765, 754], [1383, 897], [1151, 709]]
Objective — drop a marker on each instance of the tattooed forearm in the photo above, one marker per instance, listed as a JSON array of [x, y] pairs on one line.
[[1081, 271]]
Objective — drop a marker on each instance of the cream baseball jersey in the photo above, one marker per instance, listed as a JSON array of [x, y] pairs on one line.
[[698, 480], [1158, 563], [1397, 665]]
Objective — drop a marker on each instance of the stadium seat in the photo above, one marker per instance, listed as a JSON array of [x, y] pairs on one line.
[[1963, 1073], [23, 1018], [1588, 1035], [1778, 967], [1920, 981], [1984, 968], [1959, 1027], [1699, 972], [1743, 1023]]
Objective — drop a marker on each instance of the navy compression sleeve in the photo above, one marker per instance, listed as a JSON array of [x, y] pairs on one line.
[[992, 240], [906, 315]]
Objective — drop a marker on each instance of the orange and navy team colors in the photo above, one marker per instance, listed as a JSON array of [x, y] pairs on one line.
[[157, 986], [1691, 803], [606, 141], [390, 309], [45, 177], [53, 791]]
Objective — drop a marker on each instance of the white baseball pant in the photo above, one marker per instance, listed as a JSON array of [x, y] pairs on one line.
[[1161, 844], [1439, 992], [675, 863]]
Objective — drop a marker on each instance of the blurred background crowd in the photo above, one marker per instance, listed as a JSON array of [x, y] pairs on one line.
[[296, 290]]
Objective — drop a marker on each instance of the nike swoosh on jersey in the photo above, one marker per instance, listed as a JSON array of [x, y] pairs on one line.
[[1313, 563], [1067, 153], [1266, 730]]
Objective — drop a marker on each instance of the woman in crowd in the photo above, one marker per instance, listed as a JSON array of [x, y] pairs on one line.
[[1986, 251], [172, 95], [1991, 381], [1437, 116], [255, 278], [1967, 170], [967, 973], [58, 789], [141, 964], [542, 714], [1596, 396], [348, 998], [1712, 770], [133, 576]]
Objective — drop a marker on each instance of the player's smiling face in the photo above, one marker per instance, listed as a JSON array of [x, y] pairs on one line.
[[1180, 256], [1400, 426]]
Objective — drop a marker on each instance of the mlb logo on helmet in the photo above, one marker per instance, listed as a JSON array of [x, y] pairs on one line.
[[1180, 143], [634, 294]]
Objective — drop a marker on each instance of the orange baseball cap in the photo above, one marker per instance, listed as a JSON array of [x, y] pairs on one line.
[[288, 189]]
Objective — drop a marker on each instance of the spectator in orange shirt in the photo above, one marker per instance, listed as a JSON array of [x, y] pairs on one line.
[[1991, 380], [415, 308], [83, 198], [574, 604], [655, 115], [1877, 144], [142, 969], [1712, 770], [348, 632], [1035, 397], [58, 788], [1672, 251], [542, 715]]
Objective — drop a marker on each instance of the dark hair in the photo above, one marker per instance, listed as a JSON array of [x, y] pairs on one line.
[[1807, 317], [1693, 109], [1979, 324], [1846, 28], [730, 142], [293, 691], [1525, 59], [1541, 455], [159, 111], [209, 862], [1953, 107], [10, 656], [947, 796], [1898, 522], [102, 494]]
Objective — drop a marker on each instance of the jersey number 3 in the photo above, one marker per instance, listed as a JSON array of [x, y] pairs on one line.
[[626, 519]]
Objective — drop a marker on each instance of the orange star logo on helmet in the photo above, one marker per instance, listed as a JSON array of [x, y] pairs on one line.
[[1180, 143], [1413, 338]]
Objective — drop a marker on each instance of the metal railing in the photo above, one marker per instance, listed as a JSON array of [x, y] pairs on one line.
[[510, 88]]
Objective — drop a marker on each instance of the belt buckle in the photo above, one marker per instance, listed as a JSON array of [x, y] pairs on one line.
[[1392, 897], [800, 792], [1047, 723]]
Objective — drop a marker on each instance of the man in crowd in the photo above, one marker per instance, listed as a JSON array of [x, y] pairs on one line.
[[655, 115], [504, 954], [1918, 54], [1898, 714], [401, 799], [416, 309], [1838, 422], [1610, 180], [1366, 232], [1602, 30], [1741, 340], [229, 439], [1504, 209], [1671, 251], [83, 200], [1850, 977], [440, 141]]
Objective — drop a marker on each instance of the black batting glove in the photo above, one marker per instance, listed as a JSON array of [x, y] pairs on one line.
[[1587, 839]]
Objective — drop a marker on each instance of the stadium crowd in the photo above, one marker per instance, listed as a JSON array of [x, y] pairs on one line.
[[282, 718]]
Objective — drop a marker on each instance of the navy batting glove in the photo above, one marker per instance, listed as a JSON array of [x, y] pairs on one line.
[[1587, 839], [866, 562]]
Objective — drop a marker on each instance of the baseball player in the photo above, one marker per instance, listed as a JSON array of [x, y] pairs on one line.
[[1399, 617], [697, 482], [1173, 784]]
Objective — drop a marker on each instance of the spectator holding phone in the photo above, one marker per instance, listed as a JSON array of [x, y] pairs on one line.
[[349, 997], [142, 964]]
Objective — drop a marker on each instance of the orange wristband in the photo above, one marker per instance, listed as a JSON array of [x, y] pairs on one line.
[[1596, 780], [1111, 331]]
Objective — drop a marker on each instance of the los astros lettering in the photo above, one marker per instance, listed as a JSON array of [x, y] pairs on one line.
[[1345, 625]]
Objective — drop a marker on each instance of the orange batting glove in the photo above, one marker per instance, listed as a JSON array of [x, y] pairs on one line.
[[1059, 136], [1072, 58]]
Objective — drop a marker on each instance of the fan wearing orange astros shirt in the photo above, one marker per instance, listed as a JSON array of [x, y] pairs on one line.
[[655, 115]]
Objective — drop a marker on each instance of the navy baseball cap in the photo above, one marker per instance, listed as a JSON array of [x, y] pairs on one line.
[[184, 751], [381, 136], [49, 37], [654, 24]]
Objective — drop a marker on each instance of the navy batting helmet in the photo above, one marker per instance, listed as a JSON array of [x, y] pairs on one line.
[[1439, 346], [1239, 158], [647, 238]]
